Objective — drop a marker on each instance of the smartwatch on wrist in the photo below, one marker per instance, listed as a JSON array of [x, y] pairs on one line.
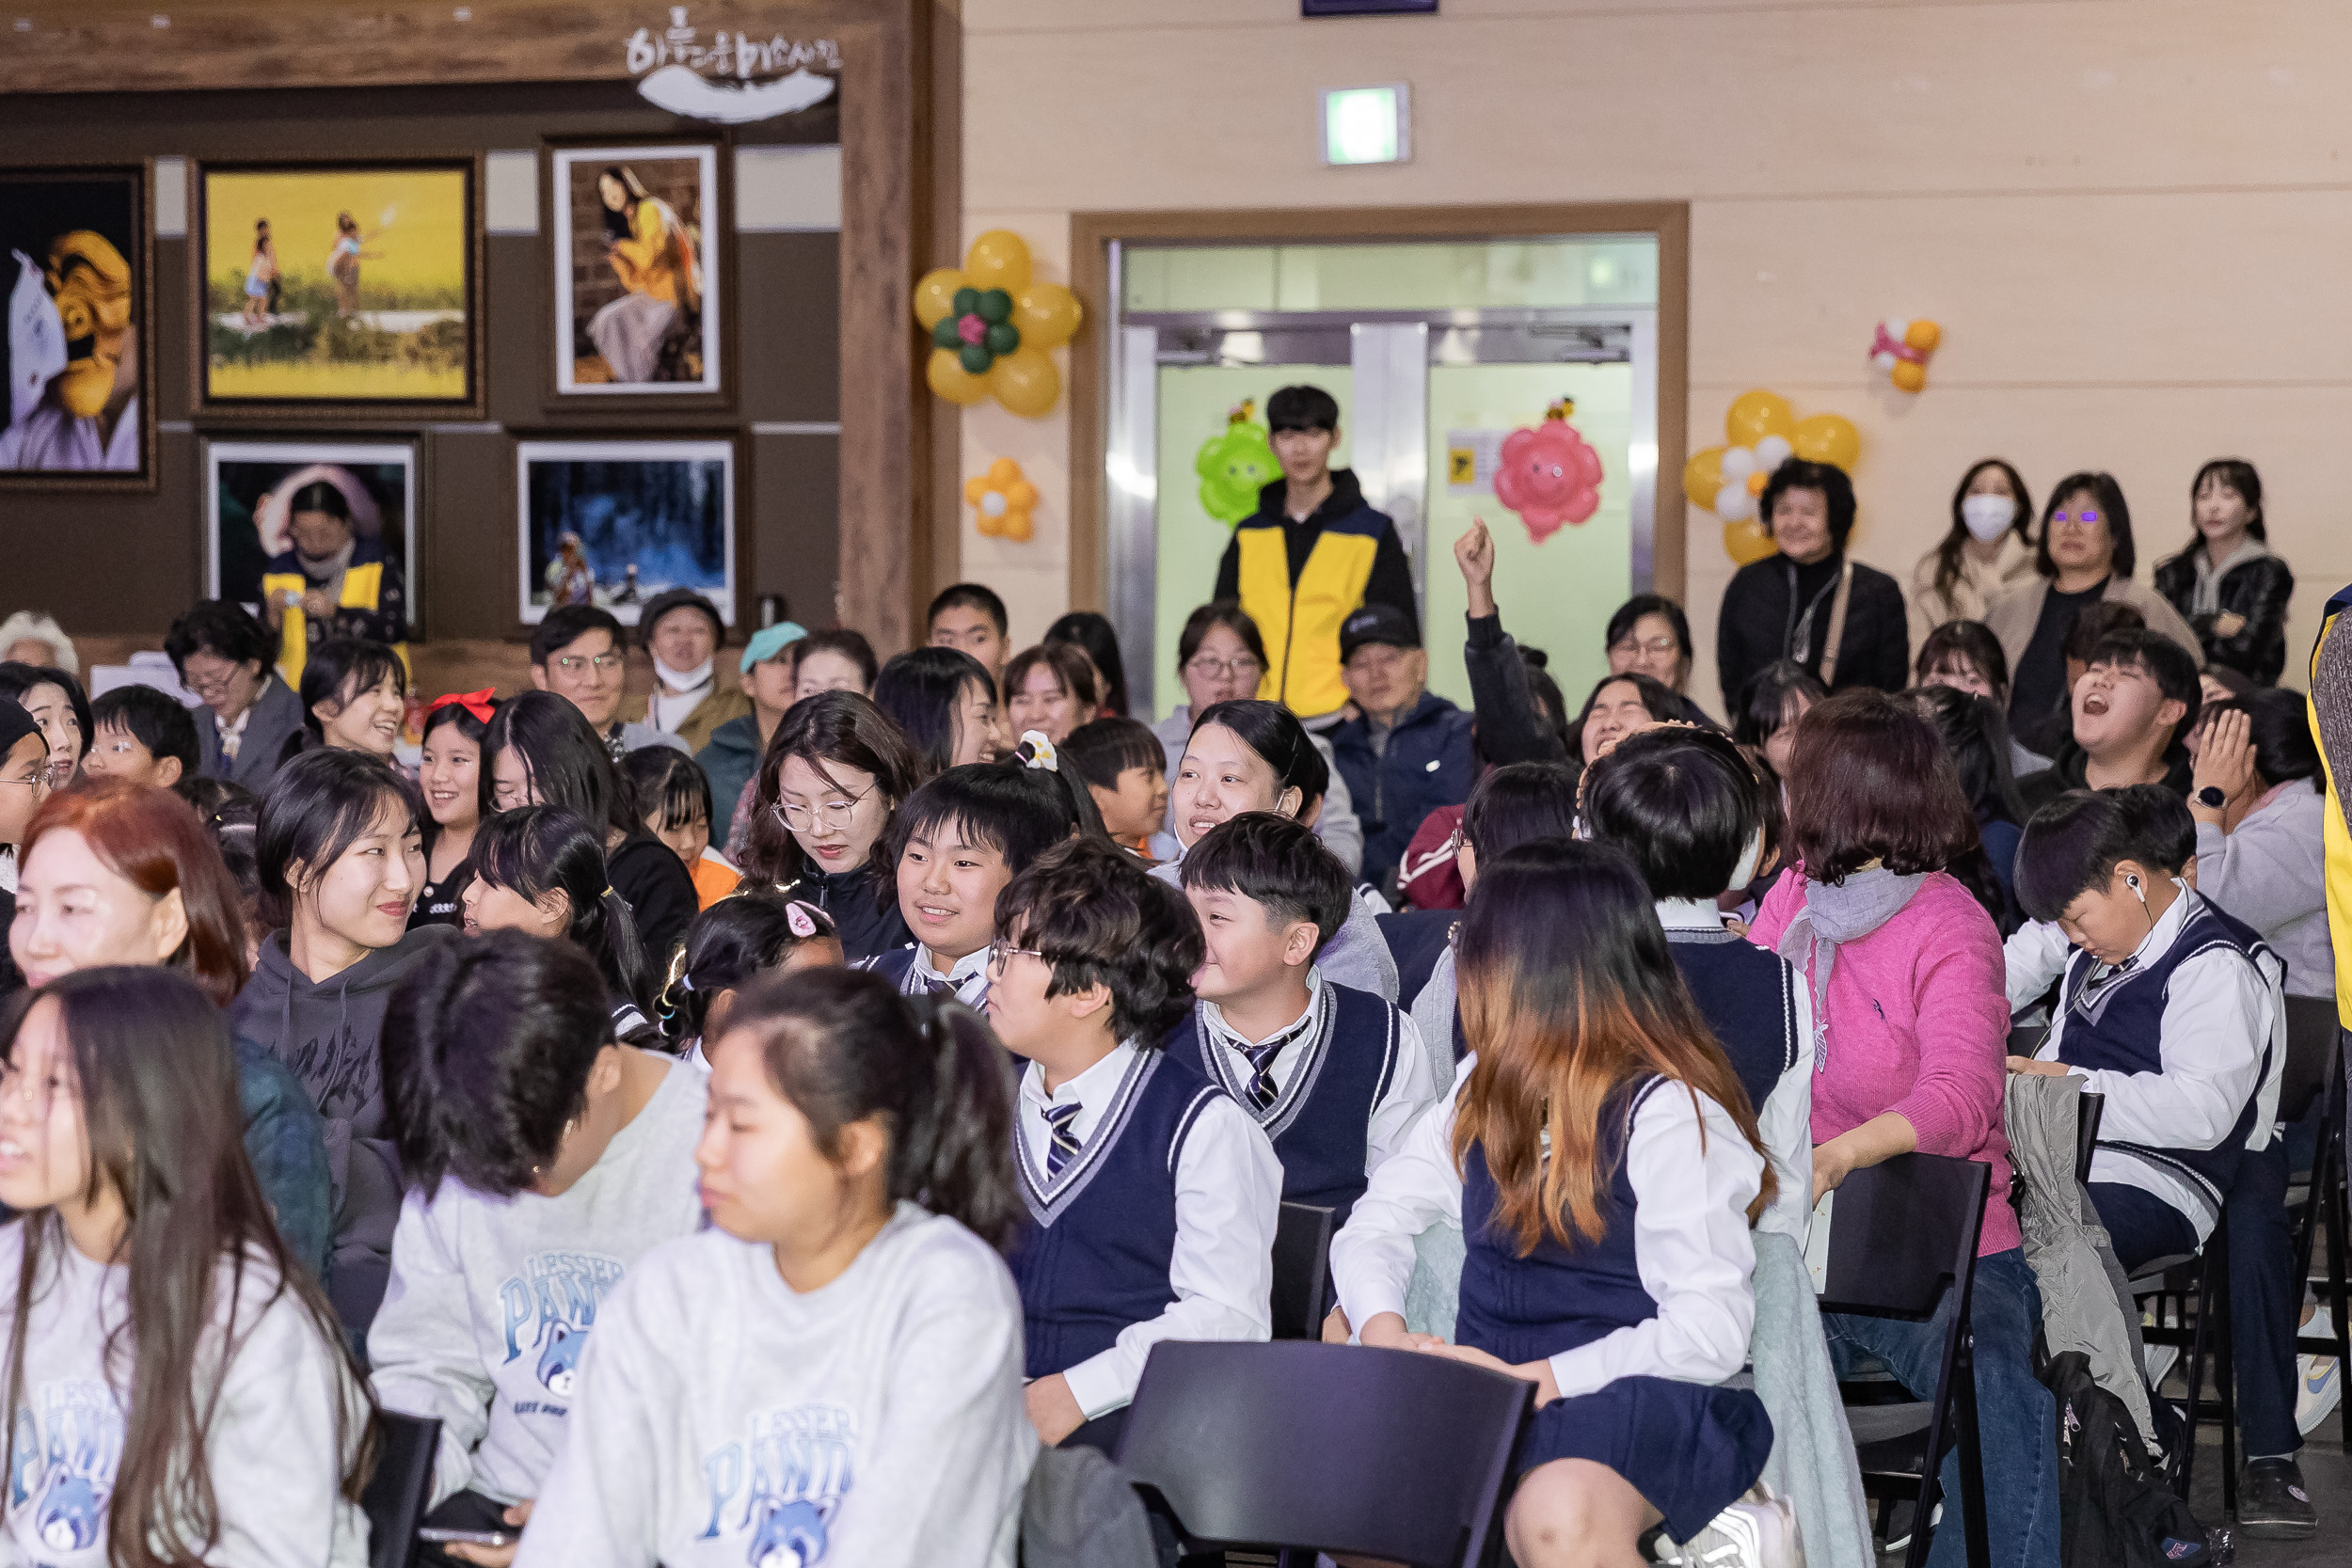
[[2210, 798]]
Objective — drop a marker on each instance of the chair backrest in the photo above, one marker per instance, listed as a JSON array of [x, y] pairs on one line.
[[1338, 1448], [2089, 1113], [1302, 1261], [395, 1495], [1902, 1232], [2311, 1052]]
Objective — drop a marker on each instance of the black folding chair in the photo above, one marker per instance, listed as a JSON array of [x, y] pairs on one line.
[[1902, 1234], [395, 1495], [1297, 1448], [2315, 1073], [1302, 1264]]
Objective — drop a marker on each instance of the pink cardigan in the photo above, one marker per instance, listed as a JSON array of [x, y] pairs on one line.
[[1918, 1022]]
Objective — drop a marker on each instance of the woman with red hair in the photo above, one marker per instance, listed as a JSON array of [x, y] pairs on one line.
[[112, 872]]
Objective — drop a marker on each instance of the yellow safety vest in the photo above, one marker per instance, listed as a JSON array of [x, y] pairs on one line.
[[2338, 839], [363, 587], [1300, 621]]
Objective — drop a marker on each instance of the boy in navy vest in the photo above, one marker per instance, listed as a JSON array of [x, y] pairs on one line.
[[1688, 809], [2159, 833], [1334, 1075], [2165, 1009], [1153, 1196]]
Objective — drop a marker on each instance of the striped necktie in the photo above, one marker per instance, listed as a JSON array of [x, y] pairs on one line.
[[1262, 1088], [1061, 1142]]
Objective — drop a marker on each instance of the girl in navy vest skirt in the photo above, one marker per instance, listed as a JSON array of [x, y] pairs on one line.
[[1334, 1075], [1605, 1166]]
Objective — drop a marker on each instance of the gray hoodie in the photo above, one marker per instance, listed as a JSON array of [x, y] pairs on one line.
[[328, 1034]]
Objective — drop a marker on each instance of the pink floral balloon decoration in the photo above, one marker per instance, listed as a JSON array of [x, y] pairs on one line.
[[1548, 474]]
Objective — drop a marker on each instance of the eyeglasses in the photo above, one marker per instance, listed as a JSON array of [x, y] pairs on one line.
[[1205, 667], [800, 820], [1663, 647], [213, 686], [1000, 955], [39, 781], [2086, 518], [572, 664]]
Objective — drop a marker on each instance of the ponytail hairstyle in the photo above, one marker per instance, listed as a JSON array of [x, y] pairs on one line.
[[1569, 993], [728, 943], [454, 711], [337, 671], [1016, 808], [842, 1045], [152, 1065], [535, 850], [1041, 756]]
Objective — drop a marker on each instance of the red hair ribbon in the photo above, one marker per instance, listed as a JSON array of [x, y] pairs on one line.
[[476, 703]]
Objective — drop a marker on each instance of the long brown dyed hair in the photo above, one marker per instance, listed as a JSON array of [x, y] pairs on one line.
[[157, 1077], [1567, 991]]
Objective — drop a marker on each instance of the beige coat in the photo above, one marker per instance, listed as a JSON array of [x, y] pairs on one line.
[[1972, 594], [2013, 616]]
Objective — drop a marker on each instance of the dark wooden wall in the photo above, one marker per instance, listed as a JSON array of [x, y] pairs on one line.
[[127, 563]]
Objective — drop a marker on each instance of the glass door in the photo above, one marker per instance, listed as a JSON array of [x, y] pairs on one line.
[[1428, 397]]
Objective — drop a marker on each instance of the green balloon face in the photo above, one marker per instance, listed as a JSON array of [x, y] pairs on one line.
[[943, 333], [1003, 338], [966, 301], [995, 305], [975, 359], [1233, 468]]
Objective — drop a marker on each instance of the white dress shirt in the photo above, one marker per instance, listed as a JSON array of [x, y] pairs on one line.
[[2219, 1013], [1229, 1194], [2035, 955], [1691, 1244], [1785, 1120], [967, 975], [1410, 1090]]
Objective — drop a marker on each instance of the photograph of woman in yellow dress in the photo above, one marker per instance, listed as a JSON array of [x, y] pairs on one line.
[[636, 298]]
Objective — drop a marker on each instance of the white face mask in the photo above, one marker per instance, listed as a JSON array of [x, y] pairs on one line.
[[1988, 516]]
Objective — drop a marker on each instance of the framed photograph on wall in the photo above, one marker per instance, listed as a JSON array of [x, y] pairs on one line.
[[613, 523], [267, 504], [80, 342], [338, 290], [633, 236]]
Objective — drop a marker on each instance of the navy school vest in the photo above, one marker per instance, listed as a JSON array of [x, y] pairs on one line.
[[1749, 998], [1092, 1257], [1320, 1123], [1560, 1296], [2121, 1029]]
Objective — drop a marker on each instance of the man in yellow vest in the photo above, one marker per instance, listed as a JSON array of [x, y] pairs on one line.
[[1312, 556], [332, 583]]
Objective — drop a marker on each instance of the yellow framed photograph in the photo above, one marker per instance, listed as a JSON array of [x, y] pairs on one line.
[[338, 289]]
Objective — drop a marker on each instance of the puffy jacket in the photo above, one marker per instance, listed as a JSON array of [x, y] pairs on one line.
[[373, 603], [2257, 590], [1428, 762], [1300, 580]]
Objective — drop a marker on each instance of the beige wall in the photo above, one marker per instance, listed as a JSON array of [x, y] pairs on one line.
[[2130, 216]]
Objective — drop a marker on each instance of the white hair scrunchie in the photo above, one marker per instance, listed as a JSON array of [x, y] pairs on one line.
[[1041, 753]]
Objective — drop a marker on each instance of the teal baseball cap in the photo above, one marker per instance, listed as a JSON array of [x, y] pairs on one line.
[[768, 641]]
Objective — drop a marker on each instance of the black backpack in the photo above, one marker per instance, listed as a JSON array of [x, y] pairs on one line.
[[2115, 1509]]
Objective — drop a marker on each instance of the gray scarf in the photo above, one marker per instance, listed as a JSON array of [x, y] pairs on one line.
[[1832, 916]]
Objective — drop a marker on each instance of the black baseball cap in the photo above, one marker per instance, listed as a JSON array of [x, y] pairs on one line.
[[1377, 623]]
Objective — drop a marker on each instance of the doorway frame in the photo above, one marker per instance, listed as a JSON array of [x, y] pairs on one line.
[[1090, 237]]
